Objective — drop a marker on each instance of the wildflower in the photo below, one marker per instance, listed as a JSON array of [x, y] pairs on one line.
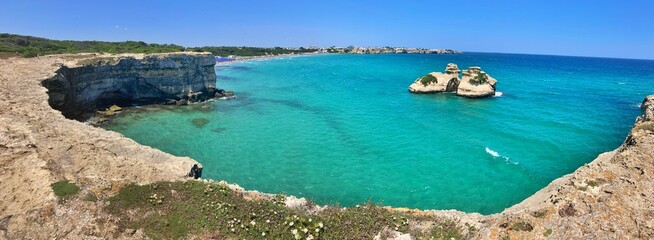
[[294, 231], [305, 230], [310, 237], [309, 219], [290, 224], [317, 229], [263, 234], [320, 224], [268, 221], [253, 223]]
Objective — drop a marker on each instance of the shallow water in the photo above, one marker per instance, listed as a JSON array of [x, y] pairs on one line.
[[344, 128]]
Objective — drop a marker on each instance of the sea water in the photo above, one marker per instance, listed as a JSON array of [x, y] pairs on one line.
[[343, 129]]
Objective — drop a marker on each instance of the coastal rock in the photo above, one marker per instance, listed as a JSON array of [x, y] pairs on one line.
[[83, 86], [436, 82], [476, 84]]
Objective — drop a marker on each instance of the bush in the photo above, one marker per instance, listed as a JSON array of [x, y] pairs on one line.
[[64, 189], [425, 80]]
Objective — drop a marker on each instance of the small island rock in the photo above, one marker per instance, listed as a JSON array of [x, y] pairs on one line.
[[476, 84]]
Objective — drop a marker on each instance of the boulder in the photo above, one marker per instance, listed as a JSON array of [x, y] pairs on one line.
[[476, 84], [115, 108], [181, 102], [437, 82]]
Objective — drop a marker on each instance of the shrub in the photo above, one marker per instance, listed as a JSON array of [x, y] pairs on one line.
[[425, 80], [64, 189]]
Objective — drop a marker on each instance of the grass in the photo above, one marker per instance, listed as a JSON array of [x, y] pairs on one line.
[[427, 79], [173, 210], [64, 189]]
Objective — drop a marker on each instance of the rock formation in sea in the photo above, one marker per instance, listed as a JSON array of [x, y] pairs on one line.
[[475, 83], [102, 81], [436, 82]]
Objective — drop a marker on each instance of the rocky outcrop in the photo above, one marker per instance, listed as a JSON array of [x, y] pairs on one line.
[[99, 81], [436, 82], [476, 84]]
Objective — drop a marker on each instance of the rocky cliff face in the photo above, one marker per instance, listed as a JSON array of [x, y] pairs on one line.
[[93, 83]]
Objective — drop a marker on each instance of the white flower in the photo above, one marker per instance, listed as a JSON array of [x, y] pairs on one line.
[[290, 224], [310, 237], [253, 223], [267, 221], [320, 225], [305, 230], [263, 234], [317, 229], [294, 231], [309, 219]]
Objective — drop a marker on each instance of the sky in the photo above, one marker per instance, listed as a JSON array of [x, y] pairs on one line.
[[597, 28]]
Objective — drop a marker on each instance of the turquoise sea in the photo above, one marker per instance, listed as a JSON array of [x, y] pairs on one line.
[[344, 129]]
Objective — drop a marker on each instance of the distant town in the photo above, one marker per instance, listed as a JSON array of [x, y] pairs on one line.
[[379, 50]]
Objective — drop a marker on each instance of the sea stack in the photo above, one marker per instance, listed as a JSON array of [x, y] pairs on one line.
[[436, 82], [475, 83]]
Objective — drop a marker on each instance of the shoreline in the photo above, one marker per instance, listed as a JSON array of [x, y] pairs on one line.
[[607, 198], [254, 58]]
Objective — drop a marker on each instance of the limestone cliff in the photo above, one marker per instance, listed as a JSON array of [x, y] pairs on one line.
[[99, 81]]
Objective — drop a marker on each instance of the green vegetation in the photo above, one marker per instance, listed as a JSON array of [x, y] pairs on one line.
[[425, 80], [27, 46], [173, 210], [547, 232], [64, 189], [249, 51], [479, 79], [521, 226]]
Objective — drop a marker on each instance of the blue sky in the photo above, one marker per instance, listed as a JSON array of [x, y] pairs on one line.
[[623, 29]]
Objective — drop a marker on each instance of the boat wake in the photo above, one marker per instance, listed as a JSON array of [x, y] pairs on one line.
[[497, 155], [497, 94]]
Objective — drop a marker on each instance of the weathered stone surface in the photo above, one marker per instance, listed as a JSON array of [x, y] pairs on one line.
[[439, 82], [98, 82], [476, 84]]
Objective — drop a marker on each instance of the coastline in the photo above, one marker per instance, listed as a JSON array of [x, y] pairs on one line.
[[606, 198], [254, 58]]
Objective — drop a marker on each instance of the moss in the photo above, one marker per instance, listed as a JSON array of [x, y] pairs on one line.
[[547, 232], [521, 226], [427, 79], [64, 189], [172, 210]]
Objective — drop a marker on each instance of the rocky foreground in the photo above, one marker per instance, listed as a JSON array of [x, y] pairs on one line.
[[610, 198]]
